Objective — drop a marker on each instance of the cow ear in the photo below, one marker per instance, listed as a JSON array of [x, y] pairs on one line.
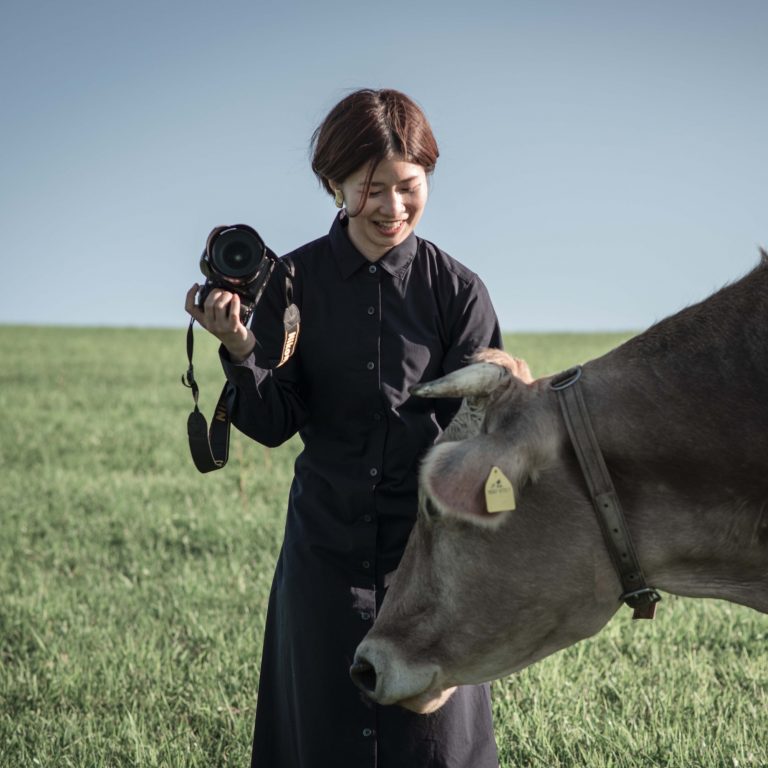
[[470, 480]]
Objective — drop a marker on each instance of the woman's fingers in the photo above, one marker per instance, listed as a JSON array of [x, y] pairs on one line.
[[521, 370], [218, 310], [218, 302], [220, 315], [234, 310]]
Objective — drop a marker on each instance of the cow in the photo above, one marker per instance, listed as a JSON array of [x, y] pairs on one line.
[[680, 413]]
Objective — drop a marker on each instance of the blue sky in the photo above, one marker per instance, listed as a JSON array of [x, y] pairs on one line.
[[602, 163]]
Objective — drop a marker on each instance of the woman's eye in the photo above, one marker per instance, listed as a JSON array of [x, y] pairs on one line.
[[404, 191]]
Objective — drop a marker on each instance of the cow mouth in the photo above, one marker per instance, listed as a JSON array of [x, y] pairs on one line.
[[427, 702]]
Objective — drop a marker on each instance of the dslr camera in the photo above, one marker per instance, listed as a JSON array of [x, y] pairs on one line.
[[236, 259]]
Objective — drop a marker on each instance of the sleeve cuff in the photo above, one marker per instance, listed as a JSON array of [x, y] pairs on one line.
[[235, 371]]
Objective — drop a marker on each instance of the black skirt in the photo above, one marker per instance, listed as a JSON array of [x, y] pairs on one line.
[[310, 714]]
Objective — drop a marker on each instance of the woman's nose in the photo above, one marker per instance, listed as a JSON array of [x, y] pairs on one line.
[[392, 203]]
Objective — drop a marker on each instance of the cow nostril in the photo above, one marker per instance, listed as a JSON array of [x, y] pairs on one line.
[[364, 676]]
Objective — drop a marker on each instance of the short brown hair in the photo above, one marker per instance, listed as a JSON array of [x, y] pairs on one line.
[[366, 127]]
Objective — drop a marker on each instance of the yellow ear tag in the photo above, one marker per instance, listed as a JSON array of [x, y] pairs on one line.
[[499, 493]]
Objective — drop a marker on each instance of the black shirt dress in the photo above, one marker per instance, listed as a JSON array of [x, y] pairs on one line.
[[369, 331]]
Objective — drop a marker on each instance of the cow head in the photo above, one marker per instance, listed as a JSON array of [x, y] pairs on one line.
[[489, 582]]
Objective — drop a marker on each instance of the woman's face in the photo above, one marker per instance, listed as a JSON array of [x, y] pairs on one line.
[[394, 206]]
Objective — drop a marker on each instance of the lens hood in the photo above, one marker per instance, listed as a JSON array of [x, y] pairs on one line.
[[234, 253]]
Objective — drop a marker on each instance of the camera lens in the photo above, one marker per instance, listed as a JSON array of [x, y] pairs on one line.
[[237, 252], [234, 255]]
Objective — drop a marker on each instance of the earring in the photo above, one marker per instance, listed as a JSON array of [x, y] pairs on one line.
[[339, 198]]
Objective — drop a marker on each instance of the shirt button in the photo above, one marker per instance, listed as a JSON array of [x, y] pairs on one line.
[[373, 471], [365, 616], [377, 416], [371, 310], [370, 365], [366, 564], [367, 518], [367, 732], [372, 269]]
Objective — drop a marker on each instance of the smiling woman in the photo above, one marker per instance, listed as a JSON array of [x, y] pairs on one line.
[[389, 212], [382, 310]]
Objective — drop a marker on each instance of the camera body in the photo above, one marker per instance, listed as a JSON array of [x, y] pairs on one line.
[[236, 259]]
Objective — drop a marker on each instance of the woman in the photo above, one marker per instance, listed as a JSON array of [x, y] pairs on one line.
[[381, 309]]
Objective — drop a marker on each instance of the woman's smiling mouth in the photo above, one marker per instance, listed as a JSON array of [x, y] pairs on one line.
[[390, 228]]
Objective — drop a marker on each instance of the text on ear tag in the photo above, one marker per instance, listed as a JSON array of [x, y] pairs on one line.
[[499, 493]]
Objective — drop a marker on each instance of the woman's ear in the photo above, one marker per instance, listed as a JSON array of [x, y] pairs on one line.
[[338, 195]]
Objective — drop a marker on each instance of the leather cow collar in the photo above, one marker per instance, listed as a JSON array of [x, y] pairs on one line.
[[636, 592]]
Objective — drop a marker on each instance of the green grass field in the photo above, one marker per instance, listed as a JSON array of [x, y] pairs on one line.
[[133, 589]]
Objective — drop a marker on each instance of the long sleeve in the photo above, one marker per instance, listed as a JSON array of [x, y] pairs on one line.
[[264, 404], [474, 325]]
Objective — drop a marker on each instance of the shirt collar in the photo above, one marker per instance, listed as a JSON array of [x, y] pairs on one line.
[[395, 261]]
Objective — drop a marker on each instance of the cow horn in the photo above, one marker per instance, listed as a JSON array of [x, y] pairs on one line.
[[475, 380]]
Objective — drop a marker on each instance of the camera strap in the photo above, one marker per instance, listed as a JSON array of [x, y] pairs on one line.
[[291, 316], [210, 446]]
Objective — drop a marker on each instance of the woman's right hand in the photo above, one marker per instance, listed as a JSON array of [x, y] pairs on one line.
[[220, 315]]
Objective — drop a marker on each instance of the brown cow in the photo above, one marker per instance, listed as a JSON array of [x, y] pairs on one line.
[[681, 415]]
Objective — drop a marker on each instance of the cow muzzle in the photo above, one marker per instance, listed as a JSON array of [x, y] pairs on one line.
[[385, 679]]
